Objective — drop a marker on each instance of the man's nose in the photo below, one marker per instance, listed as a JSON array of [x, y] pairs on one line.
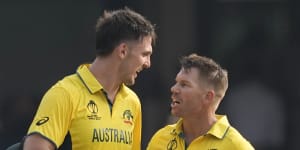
[[174, 89], [147, 64]]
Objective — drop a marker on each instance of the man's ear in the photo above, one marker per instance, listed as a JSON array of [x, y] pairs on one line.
[[122, 50], [210, 95]]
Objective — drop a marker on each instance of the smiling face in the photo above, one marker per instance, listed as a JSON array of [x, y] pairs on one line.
[[188, 94], [136, 59]]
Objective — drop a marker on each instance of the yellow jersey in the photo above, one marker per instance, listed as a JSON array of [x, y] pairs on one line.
[[78, 104], [220, 137]]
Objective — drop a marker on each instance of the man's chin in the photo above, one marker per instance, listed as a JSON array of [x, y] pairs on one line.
[[175, 113], [129, 83]]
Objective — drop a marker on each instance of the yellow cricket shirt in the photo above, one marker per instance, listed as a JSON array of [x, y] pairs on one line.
[[220, 137], [78, 105]]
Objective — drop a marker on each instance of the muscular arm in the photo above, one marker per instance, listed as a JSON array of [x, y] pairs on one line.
[[37, 142]]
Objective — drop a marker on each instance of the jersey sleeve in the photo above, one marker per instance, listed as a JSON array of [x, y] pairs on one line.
[[244, 145], [154, 141], [53, 116]]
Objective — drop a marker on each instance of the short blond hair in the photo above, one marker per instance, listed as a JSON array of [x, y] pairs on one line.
[[209, 70]]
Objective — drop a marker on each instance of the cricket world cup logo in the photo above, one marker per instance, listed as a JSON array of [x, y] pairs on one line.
[[172, 145], [93, 109]]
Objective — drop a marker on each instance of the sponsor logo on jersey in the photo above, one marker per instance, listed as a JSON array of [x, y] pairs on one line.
[[172, 144], [112, 135], [127, 116], [42, 121], [93, 109]]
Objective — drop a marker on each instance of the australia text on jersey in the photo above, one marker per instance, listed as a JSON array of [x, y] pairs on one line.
[[112, 135]]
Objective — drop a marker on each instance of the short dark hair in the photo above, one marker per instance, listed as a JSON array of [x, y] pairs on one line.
[[209, 70], [114, 27]]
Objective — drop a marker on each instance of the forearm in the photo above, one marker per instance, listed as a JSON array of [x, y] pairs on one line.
[[37, 142]]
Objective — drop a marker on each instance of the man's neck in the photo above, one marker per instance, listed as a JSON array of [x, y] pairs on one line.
[[196, 127], [106, 72]]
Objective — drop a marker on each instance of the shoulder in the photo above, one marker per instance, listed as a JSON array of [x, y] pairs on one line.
[[162, 137], [69, 84], [129, 91], [129, 94], [165, 132], [237, 140], [63, 90]]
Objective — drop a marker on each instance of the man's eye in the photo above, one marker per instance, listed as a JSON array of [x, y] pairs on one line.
[[145, 55], [182, 84]]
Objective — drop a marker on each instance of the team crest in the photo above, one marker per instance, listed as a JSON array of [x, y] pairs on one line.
[[93, 109], [127, 116]]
